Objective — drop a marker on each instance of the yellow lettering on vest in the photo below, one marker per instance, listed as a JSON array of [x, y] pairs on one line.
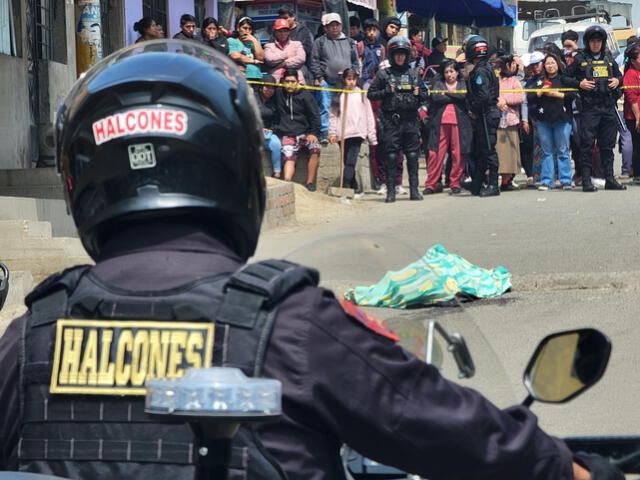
[[159, 346], [106, 373], [178, 344], [89, 368], [195, 341], [70, 363], [140, 358], [123, 368]]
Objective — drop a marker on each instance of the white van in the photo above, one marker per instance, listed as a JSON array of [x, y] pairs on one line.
[[554, 33]]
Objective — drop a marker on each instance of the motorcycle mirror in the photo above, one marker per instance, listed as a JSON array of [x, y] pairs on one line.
[[565, 364], [456, 345], [4, 284]]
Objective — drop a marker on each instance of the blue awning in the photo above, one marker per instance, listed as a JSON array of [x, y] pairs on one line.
[[481, 13]]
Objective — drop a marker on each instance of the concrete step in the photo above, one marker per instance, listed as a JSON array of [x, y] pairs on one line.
[[36, 191], [39, 209], [18, 208], [24, 229], [29, 177]]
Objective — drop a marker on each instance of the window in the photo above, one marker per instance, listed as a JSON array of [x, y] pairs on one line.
[[10, 33], [44, 29], [51, 34], [156, 9]]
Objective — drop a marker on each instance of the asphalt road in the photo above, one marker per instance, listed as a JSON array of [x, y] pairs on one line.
[[575, 262]]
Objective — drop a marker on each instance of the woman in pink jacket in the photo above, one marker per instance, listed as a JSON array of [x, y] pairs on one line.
[[284, 53], [351, 113], [508, 144]]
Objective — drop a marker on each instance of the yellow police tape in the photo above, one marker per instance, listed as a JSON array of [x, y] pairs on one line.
[[519, 90]]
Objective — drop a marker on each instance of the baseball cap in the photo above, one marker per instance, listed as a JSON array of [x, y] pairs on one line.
[[327, 18], [437, 41], [280, 24], [534, 57]]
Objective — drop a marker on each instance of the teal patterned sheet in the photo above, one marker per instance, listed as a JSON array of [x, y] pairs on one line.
[[436, 277]]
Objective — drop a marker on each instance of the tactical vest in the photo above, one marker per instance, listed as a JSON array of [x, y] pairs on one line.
[[599, 70], [403, 101], [79, 417]]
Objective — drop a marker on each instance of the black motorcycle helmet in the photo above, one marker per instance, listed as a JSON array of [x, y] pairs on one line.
[[595, 31], [477, 47], [399, 44], [162, 129]]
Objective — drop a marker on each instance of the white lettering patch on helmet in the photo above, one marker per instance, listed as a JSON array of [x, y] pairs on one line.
[[144, 120]]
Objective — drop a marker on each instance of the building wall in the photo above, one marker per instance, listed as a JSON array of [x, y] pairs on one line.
[[15, 134], [14, 119]]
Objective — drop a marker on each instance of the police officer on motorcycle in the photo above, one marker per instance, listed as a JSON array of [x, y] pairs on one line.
[[598, 78], [160, 157], [483, 92], [402, 92]]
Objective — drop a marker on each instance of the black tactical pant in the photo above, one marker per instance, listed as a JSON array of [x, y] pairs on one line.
[[400, 133], [597, 122], [486, 135]]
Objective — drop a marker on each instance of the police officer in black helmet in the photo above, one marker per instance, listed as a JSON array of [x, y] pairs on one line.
[[483, 92], [598, 77], [401, 92], [160, 155]]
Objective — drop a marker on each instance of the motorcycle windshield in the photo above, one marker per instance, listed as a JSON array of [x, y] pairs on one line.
[[350, 260]]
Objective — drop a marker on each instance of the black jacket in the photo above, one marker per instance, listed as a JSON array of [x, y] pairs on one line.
[[297, 113], [268, 112], [403, 102], [550, 109], [438, 102], [483, 89], [341, 381], [220, 43], [581, 69]]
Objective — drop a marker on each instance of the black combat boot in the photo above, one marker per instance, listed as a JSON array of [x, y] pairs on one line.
[[491, 189], [412, 168], [391, 178], [587, 186]]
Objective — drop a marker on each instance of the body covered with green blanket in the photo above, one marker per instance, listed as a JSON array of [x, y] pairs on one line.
[[436, 277]]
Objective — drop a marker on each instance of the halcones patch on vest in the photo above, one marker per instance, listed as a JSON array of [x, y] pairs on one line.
[[118, 357]]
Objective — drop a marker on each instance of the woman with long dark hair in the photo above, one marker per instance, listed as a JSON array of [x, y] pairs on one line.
[[555, 115], [449, 129], [245, 48], [213, 35]]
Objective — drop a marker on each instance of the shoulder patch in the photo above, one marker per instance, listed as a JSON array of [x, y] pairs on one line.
[[369, 321], [479, 80]]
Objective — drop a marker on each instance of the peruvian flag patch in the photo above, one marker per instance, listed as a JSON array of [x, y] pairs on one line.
[[369, 321]]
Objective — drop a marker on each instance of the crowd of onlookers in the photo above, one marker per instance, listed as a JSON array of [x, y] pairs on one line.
[[537, 134]]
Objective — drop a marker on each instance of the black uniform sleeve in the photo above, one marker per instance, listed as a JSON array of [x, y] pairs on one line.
[[378, 88], [9, 419], [395, 409], [573, 74], [480, 98]]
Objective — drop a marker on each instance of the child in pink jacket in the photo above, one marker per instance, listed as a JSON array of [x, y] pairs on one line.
[[359, 124]]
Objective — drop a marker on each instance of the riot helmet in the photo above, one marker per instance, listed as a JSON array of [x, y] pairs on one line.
[[592, 32], [162, 129], [399, 44], [477, 47]]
